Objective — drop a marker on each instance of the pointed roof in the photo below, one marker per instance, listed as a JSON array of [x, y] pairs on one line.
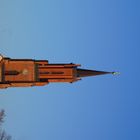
[[85, 72]]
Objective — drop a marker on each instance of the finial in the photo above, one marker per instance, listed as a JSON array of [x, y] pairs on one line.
[[116, 73]]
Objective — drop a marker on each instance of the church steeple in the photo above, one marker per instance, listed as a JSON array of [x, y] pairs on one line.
[[29, 72]]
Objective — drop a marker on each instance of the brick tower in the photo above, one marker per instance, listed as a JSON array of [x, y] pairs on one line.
[[29, 72]]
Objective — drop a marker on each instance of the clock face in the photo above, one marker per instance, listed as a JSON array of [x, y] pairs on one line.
[[25, 72]]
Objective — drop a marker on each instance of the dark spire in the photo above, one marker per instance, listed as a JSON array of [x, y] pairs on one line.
[[85, 72]]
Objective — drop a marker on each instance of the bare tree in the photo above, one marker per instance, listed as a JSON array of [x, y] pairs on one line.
[[2, 115], [3, 134]]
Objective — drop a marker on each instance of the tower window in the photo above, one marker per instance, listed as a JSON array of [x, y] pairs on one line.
[[58, 72], [14, 72], [51, 72], [43, 79], [43, 72]]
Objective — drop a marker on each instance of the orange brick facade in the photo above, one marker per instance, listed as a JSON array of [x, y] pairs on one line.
[[25, 72]]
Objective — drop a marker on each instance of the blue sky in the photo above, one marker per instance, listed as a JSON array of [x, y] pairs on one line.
[[98, 34]]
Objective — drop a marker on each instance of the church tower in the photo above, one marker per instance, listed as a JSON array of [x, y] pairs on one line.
[[29, 72]]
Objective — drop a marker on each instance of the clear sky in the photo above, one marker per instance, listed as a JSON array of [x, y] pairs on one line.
[[99, 34]]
